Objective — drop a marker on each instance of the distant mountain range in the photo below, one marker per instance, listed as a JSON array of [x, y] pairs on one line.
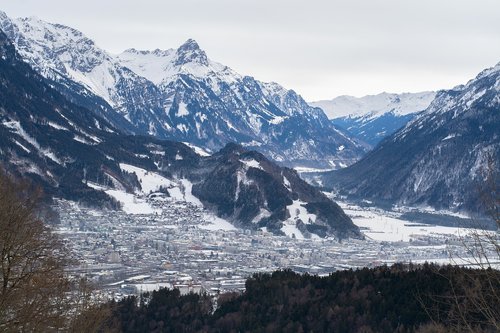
[[77, 120], [371, 118], [180, 94], [440, 158], [76, 154]]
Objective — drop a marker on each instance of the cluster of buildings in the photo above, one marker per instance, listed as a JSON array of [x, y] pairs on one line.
[[177, 247]]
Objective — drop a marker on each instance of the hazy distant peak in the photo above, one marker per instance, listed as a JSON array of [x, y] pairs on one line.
[[489, 71], [375, 105]]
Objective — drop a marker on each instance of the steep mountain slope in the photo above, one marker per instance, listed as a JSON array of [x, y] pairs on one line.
[[182, 95], [81, 70], [59, 144], [253, 192], [78, 155], [439, 158], [373, 129], [372, 118]]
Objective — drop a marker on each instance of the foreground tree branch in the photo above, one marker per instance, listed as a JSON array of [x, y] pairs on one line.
[[476, 293], [33, 286]]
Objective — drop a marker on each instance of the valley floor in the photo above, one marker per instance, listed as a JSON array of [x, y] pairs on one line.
[[180, 244]]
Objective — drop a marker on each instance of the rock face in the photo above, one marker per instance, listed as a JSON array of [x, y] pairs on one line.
[[181, 94], [75, 154], [439, 158], [374, 117]]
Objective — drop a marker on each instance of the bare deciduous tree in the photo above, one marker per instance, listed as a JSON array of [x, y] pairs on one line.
[[90, 313], [33, 287], [475, 300], [481, 290]]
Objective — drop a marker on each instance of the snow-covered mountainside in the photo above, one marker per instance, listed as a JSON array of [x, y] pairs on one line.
[[376, 105], [81, 70], [440, 157], [77, 155], [212, 105], [373, 117], [181, 94]]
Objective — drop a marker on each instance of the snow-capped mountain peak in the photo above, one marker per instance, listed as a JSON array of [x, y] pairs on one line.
[[190, 52], [153, 65], [376, 105], [58, 51], [163, 66], [64, 42], [181, 94], [374, 117]]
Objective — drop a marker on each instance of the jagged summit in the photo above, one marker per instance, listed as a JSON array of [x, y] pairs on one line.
[[489, 71], [163, 66], [155, 52], [183, 95], [189, 45], [190, 52], [3, 15]]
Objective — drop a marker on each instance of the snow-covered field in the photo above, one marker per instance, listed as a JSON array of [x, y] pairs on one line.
[[381, 225]]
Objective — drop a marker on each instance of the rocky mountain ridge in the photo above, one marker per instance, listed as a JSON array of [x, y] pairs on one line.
[[442, 158], [77, 155], [182, 95], [372, 118]]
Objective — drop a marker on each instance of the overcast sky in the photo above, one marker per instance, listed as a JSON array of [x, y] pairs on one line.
[[320, 48]]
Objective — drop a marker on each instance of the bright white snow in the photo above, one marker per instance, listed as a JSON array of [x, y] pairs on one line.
[[198, 150], [400, 104], [382, 225], [291, 230], [150, 181], [298, 211], [183, 111], [131, 204], [252, 164]]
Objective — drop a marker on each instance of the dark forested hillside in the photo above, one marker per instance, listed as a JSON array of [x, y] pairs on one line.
[[438, 159], [400, 298]]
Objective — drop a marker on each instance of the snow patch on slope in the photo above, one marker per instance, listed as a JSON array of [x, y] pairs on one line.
[[291, 230], [182, 111], [131, 204], [16, 127], [252, 164], [150, 181], [298, 211], [198, 150]]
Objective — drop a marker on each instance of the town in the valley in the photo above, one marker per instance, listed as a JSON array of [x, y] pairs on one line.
[[181, 245]]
